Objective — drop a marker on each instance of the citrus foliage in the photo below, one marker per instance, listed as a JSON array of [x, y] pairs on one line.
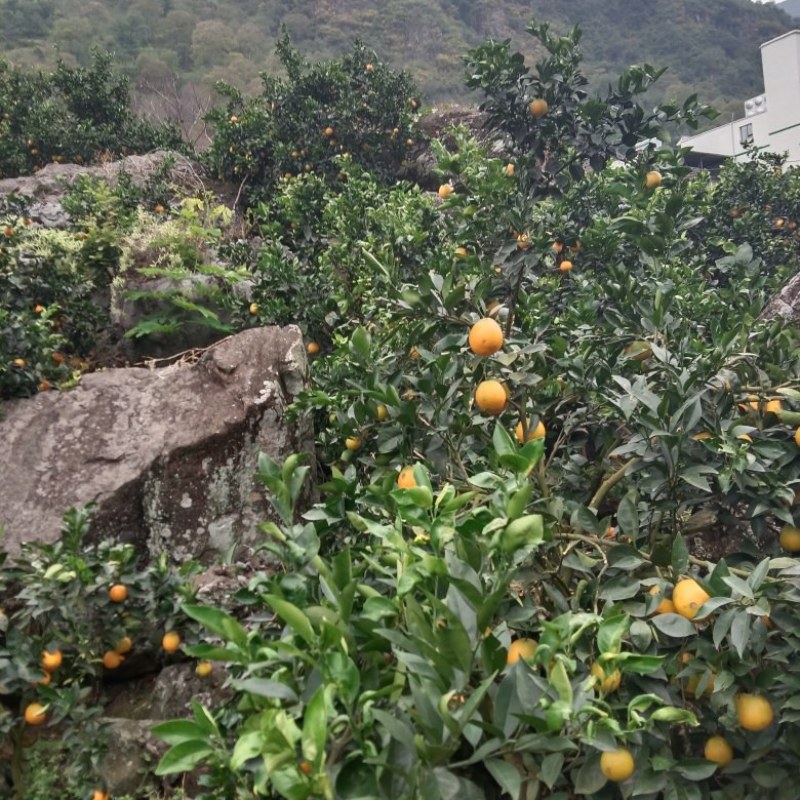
[[354, 105], [64, 628], [71, 115], [469, 611]]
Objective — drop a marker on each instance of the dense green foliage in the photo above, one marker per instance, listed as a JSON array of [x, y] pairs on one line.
[[477, 606], [711, 46], [75, 115]]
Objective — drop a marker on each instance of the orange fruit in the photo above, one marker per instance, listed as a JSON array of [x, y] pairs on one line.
[[617, 765], [461, 252], [305, 768], [51, 660], [557, 247], [702, 436], [718, 750], [445, 190], [99, 794], [352, 443], [45, 680], [38, 309], [485, 337], [35, 714], [509, 170], [688, 596], [523, 241], [203, 669], [406, 480], [754, 712], [533, 433], [524, 649], [19, 362], [112, 659], [538, 107], [652, 179], [253, 309], [491, 397], [381, 413], [665, 605], [312, 348], [369, 68], [608, 682], [159, 209], [124, 645], [565, 266], [693, 682], [328, 132], [118, 593], [797, 437], [171, 642], [790, 538]]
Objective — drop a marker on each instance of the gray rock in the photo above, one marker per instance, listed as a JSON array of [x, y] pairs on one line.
[[168, 455], [786, 304]]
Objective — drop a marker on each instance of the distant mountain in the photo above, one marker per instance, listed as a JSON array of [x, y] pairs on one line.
[[710, 46], [790, 7]]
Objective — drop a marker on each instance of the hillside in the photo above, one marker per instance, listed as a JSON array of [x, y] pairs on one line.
[[710, 46], [791, 7]]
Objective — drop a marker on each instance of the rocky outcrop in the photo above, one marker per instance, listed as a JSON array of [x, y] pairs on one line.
[[785, 305], [168, 455], [46, 187]]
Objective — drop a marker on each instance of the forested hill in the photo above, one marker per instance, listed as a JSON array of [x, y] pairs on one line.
[[710, 46]]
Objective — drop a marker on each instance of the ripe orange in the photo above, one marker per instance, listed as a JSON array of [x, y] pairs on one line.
[[118, 593], [112, 659], [491, 397], [524, 649], [565, 266], [617, 765], [688, 596], [159, 209], [305, 768], [693, 683], [773, 406], [652, 179], [754, 712], [369, 68], [523, 241], [45, 680], [171, 642], [406, 480], [312, 348], [485, 337], [234, 118], [381, 413], [328, 132], [790, 538], [99, 794], [609, 681], [445, 190], [538, 107], [557, 247], [203, 669], [533, 433], [19, 362], [352, 443], [35, 714], [509, 170], [718, 750], [461, 252], [51, 660], [665, 605], [797, 437], [38, 309], [253, 309], [124, 645]]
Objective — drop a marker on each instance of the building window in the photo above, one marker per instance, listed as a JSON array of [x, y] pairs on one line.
[[746, 134]]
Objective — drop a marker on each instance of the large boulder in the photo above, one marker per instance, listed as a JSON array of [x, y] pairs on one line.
[[168, 455]]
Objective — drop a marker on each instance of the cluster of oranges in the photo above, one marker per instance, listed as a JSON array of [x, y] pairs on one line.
[[754, 712]]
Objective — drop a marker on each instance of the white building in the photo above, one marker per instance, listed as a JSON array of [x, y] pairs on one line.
[[772, 119]]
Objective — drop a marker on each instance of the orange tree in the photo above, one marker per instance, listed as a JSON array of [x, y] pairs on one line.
[[72, 613], [352, 105], [628, 543]]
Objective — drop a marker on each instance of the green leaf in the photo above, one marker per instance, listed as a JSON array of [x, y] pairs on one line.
[[183, 757], [680, 555], [740, 632], [263, 687], [588, 779], [247, 746], [293, 617], [502, 442], [550, 770], [218, 622], [611, 632], [673, 625], [677, 716], [360, 344], [315, 727], [179, 730], [628, 515], [696, 769], [506, 775]]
